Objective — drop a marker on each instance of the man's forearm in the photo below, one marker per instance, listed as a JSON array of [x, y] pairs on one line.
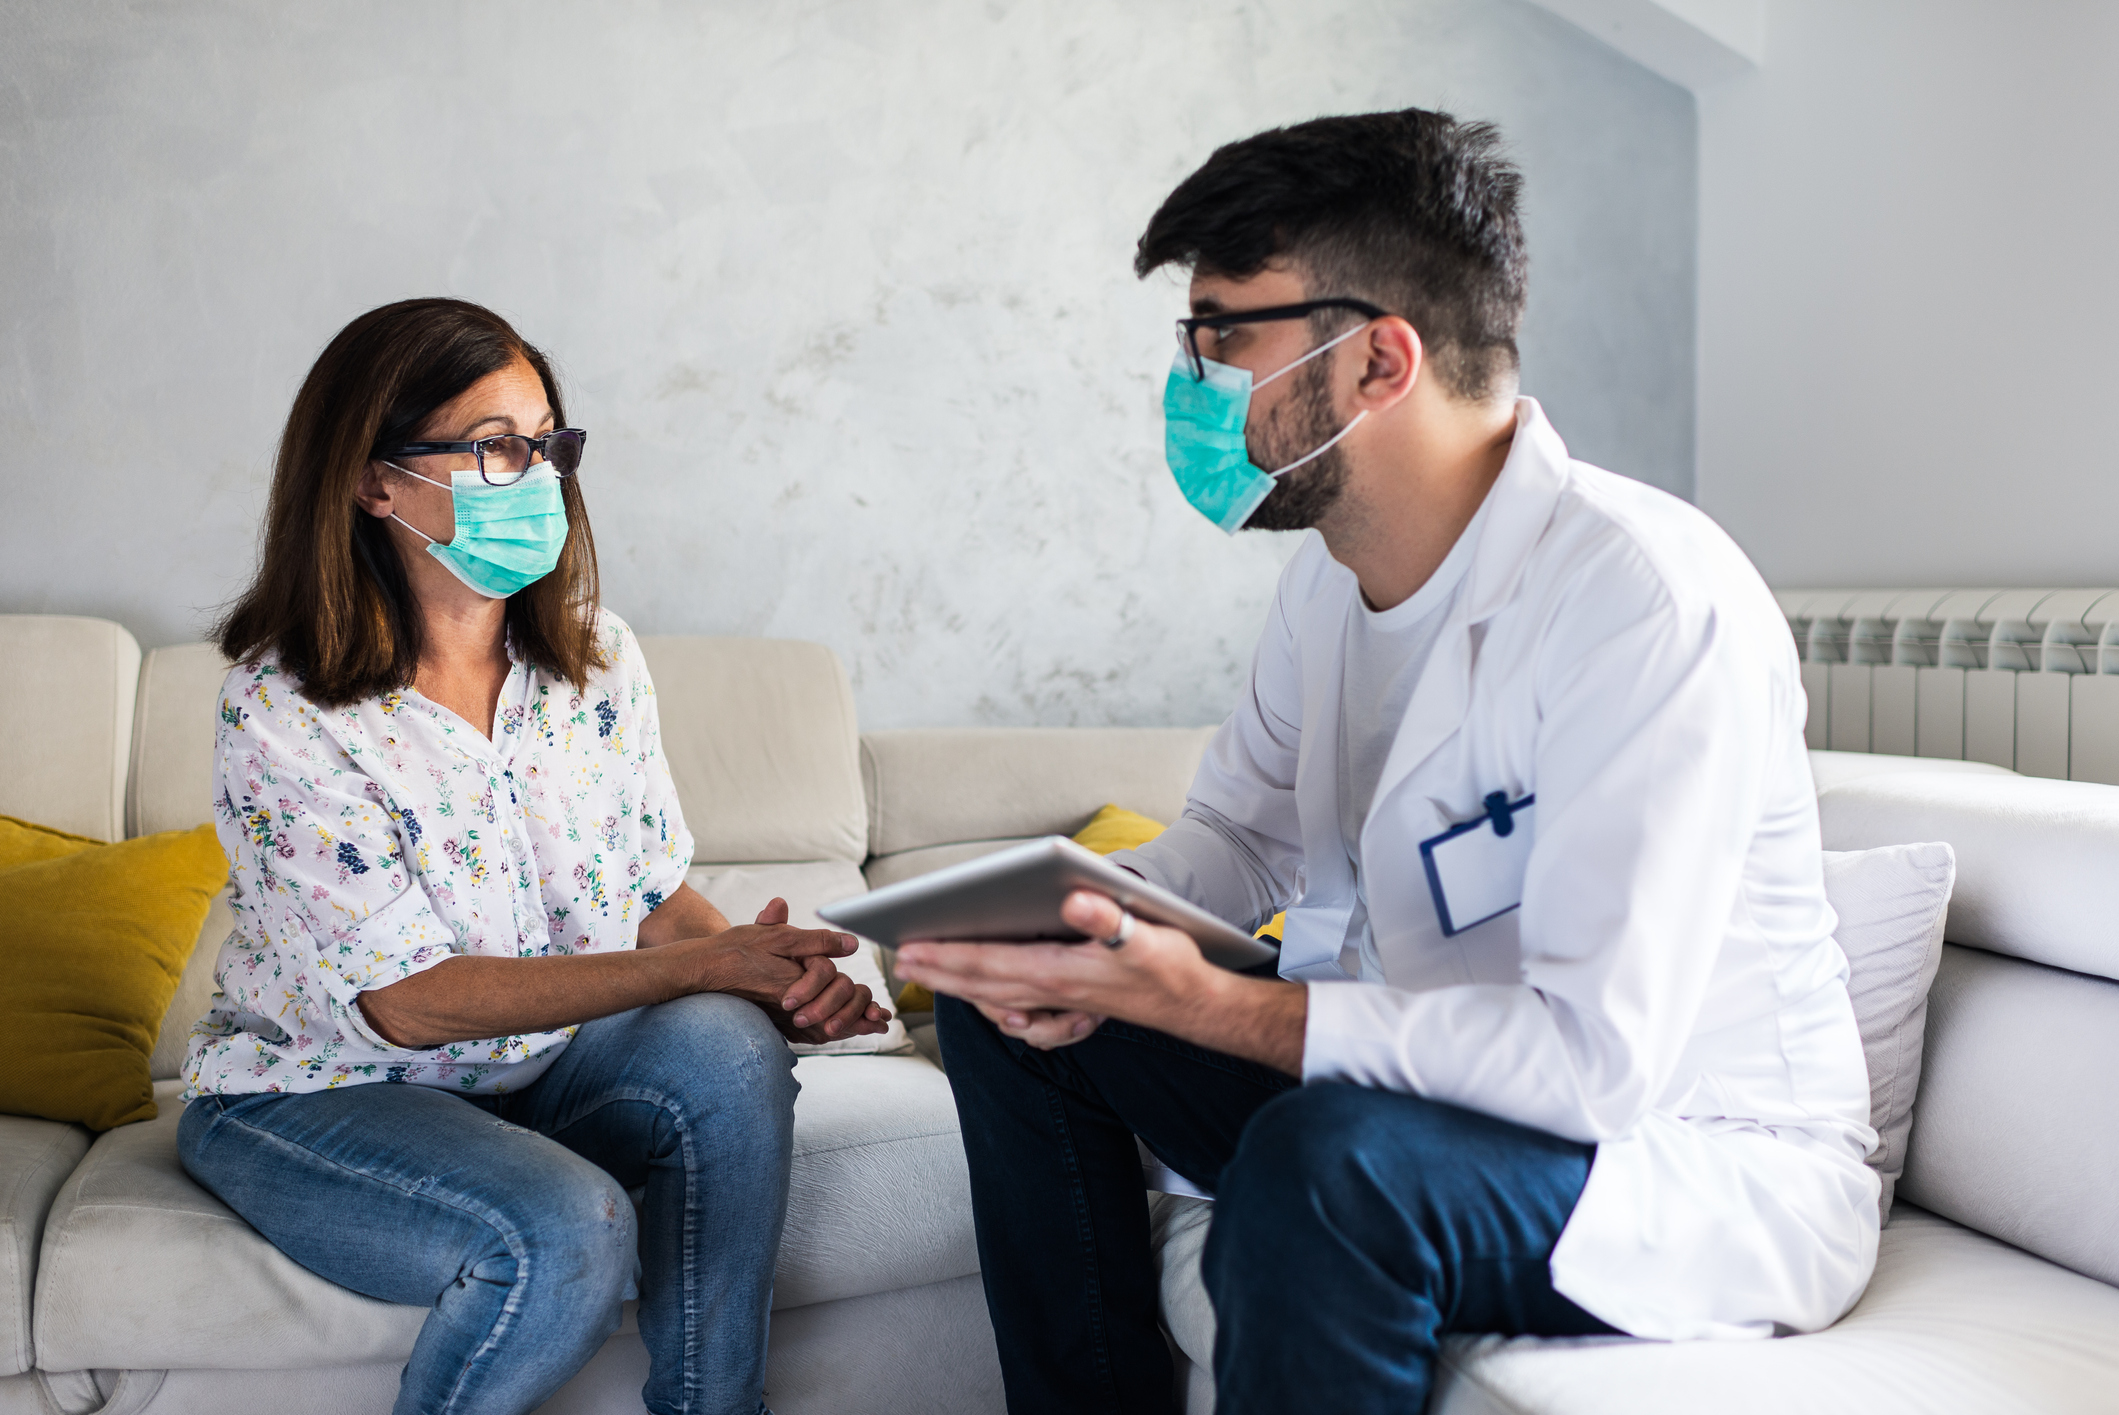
[[1258, 1019]]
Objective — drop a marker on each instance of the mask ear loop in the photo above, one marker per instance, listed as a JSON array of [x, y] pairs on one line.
[[1313, 456], [431, 482], [1333, 440], [1321, 348]]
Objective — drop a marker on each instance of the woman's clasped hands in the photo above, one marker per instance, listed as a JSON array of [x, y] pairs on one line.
[[788, 972]]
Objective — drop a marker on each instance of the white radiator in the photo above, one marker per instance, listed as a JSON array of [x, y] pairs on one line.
[[2027, 679]]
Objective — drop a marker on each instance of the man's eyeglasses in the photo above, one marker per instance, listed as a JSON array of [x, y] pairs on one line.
[[1188, 329], [506, 458]]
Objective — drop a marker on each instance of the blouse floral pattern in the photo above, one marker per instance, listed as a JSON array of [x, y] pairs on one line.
[[371, 842]]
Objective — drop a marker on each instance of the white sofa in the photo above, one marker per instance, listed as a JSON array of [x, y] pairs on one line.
[[124, 1288]]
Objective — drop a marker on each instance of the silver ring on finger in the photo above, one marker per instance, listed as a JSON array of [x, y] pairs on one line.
[[1125, 931]]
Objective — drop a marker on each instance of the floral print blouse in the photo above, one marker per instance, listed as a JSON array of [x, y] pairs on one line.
[[371, 842]]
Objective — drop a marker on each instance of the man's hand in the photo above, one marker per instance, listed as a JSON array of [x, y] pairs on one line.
[[1055, 994], [1041, 1027], [788, 972]]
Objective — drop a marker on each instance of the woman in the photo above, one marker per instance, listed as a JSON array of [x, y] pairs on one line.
[[470, 1000]]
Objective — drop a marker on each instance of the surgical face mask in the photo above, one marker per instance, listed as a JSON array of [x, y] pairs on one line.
[[1203, 436], [507, 537]]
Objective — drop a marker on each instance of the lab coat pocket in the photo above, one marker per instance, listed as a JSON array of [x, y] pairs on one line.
[[1475, 870]]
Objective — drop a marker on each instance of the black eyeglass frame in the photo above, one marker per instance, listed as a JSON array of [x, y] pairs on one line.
[[1188, 329], [540, 446]]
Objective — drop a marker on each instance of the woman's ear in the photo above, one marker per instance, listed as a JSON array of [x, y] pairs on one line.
[[372, 492]]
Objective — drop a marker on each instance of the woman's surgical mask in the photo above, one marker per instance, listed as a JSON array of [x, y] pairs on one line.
[[507, 537], [1203, 436]]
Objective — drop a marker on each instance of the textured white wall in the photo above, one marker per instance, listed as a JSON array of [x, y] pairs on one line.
[[1909, 307], [841, 291]]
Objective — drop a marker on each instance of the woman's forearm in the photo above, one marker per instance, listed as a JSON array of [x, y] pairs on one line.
[[684, 946], [685, 914], [469, 998], [504, 997]]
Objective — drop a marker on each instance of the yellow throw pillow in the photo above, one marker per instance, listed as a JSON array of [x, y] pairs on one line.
[[93, 938], [1114, 828], [1110, 830]]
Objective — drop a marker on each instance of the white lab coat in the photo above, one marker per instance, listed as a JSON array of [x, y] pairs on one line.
[[1669, 989]]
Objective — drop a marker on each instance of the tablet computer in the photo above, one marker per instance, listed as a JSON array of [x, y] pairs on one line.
[[1014, 896]]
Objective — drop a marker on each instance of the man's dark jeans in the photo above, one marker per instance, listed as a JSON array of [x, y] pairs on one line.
[[1353, 1228]]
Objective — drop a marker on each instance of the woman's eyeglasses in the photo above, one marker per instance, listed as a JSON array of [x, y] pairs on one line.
[[506, 457]]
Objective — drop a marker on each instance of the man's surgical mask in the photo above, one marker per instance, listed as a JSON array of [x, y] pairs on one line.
[[1203, 436], [507, 537]]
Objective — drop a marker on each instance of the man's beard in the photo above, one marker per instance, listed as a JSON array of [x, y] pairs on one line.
[[1300, 425]]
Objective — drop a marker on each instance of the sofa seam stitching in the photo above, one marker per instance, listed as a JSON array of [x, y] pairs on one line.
[[876, 1144]]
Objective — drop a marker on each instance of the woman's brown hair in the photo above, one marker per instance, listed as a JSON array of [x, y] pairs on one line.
[[331, 597]]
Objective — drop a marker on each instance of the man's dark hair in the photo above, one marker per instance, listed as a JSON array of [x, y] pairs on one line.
[[1413, 211]]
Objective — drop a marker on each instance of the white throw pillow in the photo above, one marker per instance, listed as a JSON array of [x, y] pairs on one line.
[[1891, 903]]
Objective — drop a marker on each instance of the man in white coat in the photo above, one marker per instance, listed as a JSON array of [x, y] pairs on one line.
[[1560, 1041]]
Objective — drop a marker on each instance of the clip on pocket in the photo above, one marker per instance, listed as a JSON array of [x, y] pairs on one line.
[[1475, 869]]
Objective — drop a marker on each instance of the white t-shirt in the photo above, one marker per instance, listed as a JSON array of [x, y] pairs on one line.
[[1386, 652]]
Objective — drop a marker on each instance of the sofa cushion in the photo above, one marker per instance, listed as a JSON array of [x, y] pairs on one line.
[[36, 1156], [1953, 1321], [909, 864], [761, 742], [1891, 902], [1177, 1234], [880, 1196], [172, 784], [938, 786], [66, 706], [2016, 1127], [2034, 857], [142, 1268]]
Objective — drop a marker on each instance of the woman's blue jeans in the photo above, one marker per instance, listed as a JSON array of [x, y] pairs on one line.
[[508, 1216]]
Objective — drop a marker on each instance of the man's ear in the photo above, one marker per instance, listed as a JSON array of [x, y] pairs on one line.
[[372, 492], [1394, 358]]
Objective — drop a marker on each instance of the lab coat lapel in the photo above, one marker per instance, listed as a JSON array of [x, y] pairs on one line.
[[1522, 503]]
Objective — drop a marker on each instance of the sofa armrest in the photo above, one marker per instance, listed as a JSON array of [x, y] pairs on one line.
[[36, 1158]]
